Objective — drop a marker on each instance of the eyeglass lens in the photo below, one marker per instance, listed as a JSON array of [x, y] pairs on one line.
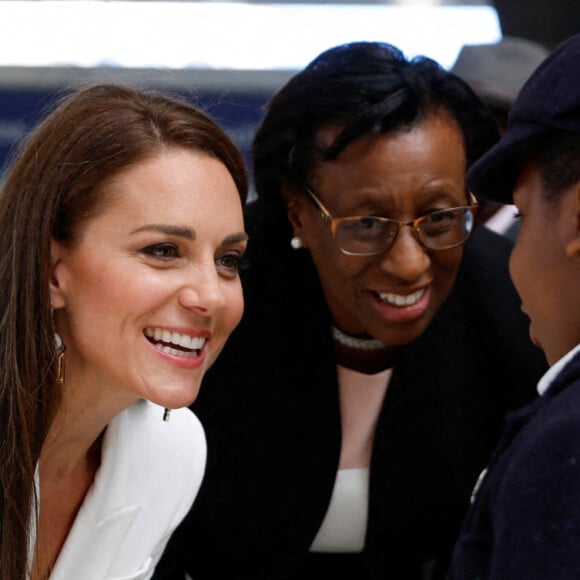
[[437, 231]]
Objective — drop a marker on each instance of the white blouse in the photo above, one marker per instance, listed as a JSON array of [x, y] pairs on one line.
[[345, 523]]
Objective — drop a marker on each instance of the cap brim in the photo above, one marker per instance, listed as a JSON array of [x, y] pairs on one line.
[[493, 175]]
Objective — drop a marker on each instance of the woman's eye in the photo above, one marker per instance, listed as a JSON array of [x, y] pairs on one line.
[[162, 251], [363, 224], [230, 263], [368, 223], [440, 217]]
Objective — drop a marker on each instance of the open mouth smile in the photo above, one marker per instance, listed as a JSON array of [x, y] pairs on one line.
[[174, 343], [401, 299]]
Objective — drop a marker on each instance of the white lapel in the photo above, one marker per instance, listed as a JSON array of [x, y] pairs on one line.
[[106, 515]]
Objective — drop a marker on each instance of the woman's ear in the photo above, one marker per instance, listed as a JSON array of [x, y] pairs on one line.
[[573, 248], [295, 205], [55, 286]]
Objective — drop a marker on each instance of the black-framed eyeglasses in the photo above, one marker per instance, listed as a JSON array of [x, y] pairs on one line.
[[370, 235]]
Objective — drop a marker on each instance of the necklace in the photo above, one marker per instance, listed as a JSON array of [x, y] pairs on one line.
[[356, 343]]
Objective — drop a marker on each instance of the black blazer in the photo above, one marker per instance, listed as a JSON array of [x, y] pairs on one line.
[[270, 408]]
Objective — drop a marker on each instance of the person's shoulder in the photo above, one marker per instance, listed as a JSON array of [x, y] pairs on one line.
[[179, 441], [564, 392], [168, 458], [551, 435], [157, 466]]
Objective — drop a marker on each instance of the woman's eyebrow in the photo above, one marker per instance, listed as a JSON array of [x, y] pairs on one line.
[[178, 231], [235, 239]]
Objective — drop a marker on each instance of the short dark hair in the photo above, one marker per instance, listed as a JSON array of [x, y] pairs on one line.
[[363, 88], [557, 156]]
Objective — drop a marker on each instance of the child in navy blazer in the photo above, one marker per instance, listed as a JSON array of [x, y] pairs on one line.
[[524, 522]]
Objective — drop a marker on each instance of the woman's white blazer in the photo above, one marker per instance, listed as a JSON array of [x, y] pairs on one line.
[[149, 476]]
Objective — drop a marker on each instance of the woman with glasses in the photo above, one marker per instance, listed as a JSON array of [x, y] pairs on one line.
[[350, 415]]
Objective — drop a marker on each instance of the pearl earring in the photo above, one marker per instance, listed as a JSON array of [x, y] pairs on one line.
[[296, 243]]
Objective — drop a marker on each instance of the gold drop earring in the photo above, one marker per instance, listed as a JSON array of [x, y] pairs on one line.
[[60, 350]]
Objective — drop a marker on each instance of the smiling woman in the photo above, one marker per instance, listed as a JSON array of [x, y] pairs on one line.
[[121, 231], [140, 267]]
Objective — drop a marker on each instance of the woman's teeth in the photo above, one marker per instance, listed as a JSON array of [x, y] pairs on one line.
[[167, 341], [401, 299]]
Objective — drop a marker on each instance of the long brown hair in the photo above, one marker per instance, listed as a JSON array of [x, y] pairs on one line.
[[53, 187]]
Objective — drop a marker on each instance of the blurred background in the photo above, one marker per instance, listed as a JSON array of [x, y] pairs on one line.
[[230, 57]]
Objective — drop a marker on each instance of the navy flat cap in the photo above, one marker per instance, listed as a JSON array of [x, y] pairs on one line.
[[549, 100]]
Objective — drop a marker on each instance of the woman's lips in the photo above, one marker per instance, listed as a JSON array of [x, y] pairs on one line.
[[185, 349], [396, 307], [402, 299], [174, 340]]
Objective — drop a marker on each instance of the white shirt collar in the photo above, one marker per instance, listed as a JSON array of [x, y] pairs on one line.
[[555, 369]]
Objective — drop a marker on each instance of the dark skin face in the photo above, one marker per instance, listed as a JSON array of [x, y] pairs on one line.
[[545, 263], [392, 296]]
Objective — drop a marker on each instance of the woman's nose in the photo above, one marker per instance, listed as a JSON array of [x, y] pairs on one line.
[[203, 291], [406, 259]]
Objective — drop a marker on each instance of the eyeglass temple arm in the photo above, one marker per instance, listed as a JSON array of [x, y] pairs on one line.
[[323, 211]]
